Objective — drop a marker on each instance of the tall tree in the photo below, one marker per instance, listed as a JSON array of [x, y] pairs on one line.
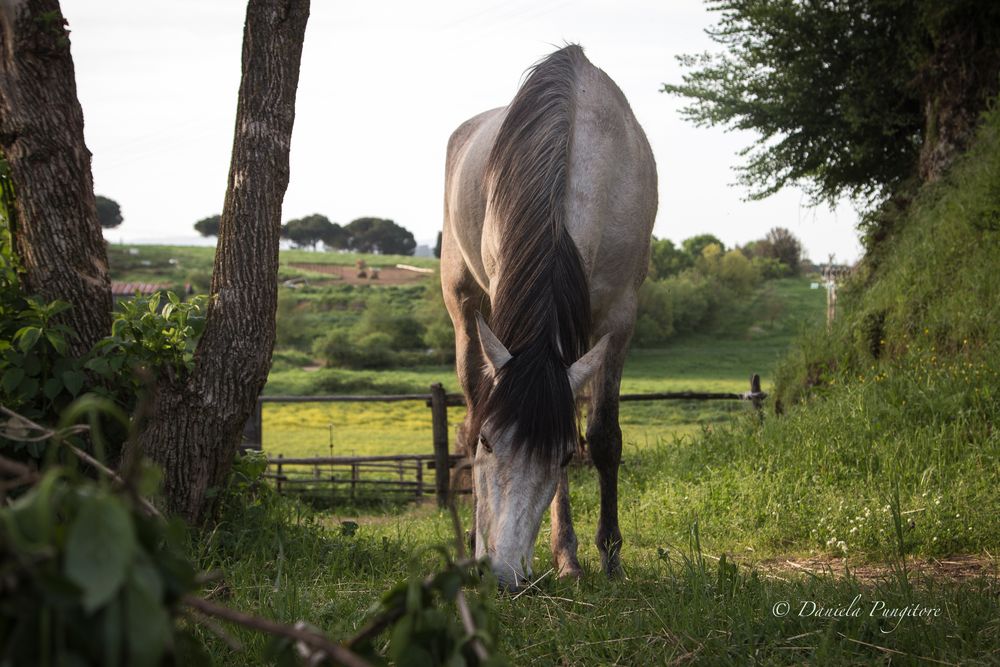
[[695, 245], [56, 228], [782, 245], [109, 213], [380, 235], [314, 229], [196, 421], [208, 226], [665, 259], [848, 97]]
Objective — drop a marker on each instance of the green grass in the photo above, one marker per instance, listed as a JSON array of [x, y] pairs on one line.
[[680, 600]]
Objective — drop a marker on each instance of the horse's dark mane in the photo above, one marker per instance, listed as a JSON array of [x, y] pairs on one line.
[[541, 306]]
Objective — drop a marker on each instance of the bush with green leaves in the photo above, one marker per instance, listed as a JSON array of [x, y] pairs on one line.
[[88, 577], [150, 337]]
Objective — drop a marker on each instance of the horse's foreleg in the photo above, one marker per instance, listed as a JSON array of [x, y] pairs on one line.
[[604, 436], [563, 539]]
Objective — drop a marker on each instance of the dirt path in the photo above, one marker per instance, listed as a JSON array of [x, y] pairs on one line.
[[957, 568], [348, 275]]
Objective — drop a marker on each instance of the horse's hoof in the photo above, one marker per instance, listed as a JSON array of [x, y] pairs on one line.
[[567, 565]]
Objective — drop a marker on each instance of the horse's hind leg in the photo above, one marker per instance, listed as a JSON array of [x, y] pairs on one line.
[[604, 437], [563, 540]]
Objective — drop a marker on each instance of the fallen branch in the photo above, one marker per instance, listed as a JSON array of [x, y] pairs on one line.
[[59, 436], [336, 652]]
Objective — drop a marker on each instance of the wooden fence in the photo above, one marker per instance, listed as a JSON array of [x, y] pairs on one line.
[[403, 475]]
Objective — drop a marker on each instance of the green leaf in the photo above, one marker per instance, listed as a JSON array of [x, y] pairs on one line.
[[448, 582], [98, 365], [99, 549], [74, 381], [52, 387], [11, 379], [57, 340], [149, 627], [26, 337]]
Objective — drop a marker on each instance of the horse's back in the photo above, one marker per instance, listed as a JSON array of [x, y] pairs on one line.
[[610, 197], [465, 194]]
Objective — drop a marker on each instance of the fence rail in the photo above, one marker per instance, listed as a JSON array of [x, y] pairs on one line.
[[404, 473]]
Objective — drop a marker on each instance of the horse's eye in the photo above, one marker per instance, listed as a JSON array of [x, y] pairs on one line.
[[485, 443]]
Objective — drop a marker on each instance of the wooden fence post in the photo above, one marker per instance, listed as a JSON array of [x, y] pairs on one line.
[[755, 396], [420, 478], [354, 479], [278, 478], [439, 417]]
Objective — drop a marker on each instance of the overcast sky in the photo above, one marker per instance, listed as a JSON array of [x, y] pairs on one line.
[[383, 84]]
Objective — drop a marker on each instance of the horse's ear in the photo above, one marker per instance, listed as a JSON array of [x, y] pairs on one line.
[[494, 351], [587, 365]]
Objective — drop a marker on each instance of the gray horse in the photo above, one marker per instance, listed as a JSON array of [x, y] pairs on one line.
[[549, 207]]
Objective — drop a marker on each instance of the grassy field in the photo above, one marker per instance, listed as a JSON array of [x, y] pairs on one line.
[[177, 265], [885, 473], [721, 363]]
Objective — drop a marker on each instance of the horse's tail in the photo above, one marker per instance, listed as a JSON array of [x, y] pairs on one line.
[[541, 303], [541, 280]]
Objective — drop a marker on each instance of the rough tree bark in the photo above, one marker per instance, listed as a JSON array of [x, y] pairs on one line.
[[41, 134], [195, 423], [958, 81]]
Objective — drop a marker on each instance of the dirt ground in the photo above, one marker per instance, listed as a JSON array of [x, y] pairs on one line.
[[959, 567], [348, 275]]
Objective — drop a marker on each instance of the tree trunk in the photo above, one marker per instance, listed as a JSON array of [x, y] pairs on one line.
[[56, 229], [196, 422], [958, 81]]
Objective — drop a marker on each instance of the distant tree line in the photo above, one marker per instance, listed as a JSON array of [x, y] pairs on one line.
[[777, 255], [703, 287], [369, 235]]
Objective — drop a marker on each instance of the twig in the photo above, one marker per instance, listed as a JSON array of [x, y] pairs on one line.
[[533, 584], [463, 605], [145, 504], [16, 468], [335, 651], [216, 629], [892, 650]]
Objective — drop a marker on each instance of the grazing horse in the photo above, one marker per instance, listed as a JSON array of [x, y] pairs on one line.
[[549, 208]]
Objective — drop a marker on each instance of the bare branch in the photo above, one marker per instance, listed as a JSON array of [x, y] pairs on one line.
[[336, 652], [58, 436]]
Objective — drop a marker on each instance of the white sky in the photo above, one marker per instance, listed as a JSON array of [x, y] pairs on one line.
[[383, 84]]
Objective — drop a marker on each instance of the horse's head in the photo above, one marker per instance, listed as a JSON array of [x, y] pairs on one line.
[[514, 483]]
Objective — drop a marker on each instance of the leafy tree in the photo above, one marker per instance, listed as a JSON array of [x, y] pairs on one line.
[[336, 238], [437, 246], [695, 246], [208, 226], [848, 97], [380, 235], [313, 229], [781, 245], [666, 259], [109, 213]]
